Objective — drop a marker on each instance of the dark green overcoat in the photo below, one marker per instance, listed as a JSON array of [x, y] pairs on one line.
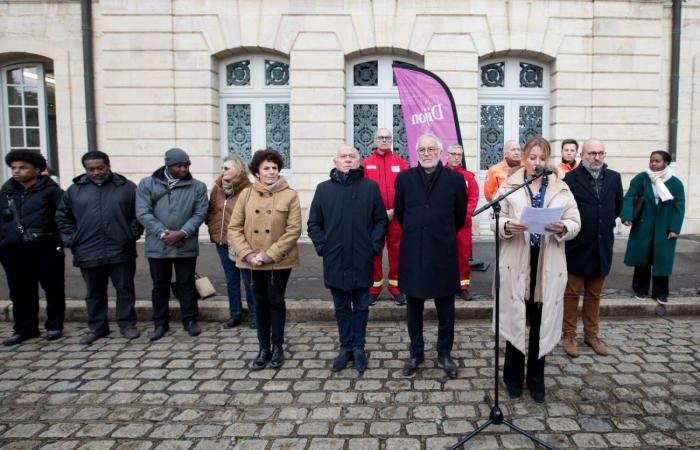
[[649, 239]]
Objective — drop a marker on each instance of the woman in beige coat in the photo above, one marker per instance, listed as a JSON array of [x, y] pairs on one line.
[[264, 229], [533, 270]]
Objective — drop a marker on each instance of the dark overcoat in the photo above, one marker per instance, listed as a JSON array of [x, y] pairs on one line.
[[430, 213], [648, 242], [347, 223], [590, 253]]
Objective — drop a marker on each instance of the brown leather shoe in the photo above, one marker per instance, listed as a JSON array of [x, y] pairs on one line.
[[569, 344], [597, 345]]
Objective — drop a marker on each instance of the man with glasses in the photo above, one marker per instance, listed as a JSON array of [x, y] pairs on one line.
[[598, 194], [382, 167], [497, 173], [455, 154], [431, 205]]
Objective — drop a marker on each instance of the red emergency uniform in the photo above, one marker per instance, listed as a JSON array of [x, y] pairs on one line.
[[464, 235], [383, 170]]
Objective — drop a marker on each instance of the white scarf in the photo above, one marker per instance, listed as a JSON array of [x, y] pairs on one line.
[[658, 179]]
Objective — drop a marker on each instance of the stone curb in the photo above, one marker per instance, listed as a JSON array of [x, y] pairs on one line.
[[215, 309]]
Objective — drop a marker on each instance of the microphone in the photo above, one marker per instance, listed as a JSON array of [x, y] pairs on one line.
[[541, 171]]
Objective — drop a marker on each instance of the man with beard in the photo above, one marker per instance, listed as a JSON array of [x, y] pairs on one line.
[[98, 223], [431, 205], [569, 149], [497, 174], [347, 223]]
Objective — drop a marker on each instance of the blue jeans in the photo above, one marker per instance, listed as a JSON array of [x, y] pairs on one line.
[[233, 284], [351, 313]]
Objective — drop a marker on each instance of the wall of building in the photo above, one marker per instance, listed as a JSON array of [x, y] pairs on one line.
[[157, 74]]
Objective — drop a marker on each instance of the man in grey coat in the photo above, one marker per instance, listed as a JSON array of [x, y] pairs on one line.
[[172, 205]]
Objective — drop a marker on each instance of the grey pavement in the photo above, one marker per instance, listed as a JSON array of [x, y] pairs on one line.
[[199, 393]]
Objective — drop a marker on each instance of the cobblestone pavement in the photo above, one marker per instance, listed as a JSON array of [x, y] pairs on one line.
[[198, 393]]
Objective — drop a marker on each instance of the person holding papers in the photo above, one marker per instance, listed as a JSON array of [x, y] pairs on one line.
[[533, 268]]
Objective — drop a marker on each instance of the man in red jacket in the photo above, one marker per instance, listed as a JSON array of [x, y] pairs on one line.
[[464, 235], [382, 167]]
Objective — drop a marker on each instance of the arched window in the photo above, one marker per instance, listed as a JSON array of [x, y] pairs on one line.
[[28, 118], [254, 105], [373, 102], [513, 104]]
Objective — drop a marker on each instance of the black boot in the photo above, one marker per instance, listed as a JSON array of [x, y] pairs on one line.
[[277, 357], [262, 359]]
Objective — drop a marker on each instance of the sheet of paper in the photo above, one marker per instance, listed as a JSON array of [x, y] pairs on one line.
[[537, 218]]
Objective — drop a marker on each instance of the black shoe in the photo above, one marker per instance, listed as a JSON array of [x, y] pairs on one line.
[[52, 335], [538, 397], [412, 365], [514, 391], [192, 328], [448, 366], [261, 361], [360, 363], [373, 298], [277, 357], [662, 301], [92, 336], [341, 361], [399, 299], [159, 332], [233, 322], [130, 332], [465, 295], [19, 338]]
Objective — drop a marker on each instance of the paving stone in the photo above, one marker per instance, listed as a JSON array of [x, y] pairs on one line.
[[660, 440], [168, 431], [403, 444], [174, 445], [288, 444], [589, 440], [349, 428], [277, 429], [23, 431], [327, 443], [203, 431], [132, 430], [213, 444], [313, 429], [241, 429], [628, 440], [60, 430], [134, 445], [421, 428]]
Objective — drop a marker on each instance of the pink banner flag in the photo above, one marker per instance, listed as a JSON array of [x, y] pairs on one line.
[[428, 107]]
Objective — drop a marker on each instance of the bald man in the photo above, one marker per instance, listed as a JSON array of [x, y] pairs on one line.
[[499, 172]]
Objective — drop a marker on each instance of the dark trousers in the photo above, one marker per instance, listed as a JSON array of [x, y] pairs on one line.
[[96, 279], [27, 268], [161, 274], [270, 310], [233, 285], [641, 279], [514, 364], [445, 307], [351, 313]]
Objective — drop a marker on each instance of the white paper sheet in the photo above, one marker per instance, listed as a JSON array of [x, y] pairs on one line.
[[537, 218]]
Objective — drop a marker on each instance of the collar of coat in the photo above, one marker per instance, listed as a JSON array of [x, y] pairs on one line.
[[279, 187], [114, 178], [239, 184], [353, 175], [554, 183], [159, 175], [13, 187]]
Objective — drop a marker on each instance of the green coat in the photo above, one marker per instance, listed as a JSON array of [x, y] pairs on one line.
[[650, 236]]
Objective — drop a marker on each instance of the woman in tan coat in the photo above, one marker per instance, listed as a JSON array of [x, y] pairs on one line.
[[264, 230], [533, 270], [226, 191]]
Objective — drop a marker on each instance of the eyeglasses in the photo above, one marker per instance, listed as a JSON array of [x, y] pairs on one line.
[[426, 150], [383, 138], [224, 168], [596, 154], [454, 153]]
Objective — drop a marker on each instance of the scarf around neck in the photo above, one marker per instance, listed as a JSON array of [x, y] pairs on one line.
[[658, 180]]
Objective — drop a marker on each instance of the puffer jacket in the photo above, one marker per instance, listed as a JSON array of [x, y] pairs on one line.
[[36, 208], [269, 221], [182, 207], [98, 222], [221, 208], [551, 267], [383, 170]]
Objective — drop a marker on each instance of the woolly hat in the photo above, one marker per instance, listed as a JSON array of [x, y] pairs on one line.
[[176, 156]]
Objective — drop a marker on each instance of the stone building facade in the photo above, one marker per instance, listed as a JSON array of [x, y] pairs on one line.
[[216, 76]]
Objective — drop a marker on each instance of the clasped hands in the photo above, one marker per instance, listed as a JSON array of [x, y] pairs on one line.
[[174, 238], [258, 259]]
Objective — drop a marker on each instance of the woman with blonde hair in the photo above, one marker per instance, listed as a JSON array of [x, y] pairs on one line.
[[224, 195], [533, 269], [264, 230]]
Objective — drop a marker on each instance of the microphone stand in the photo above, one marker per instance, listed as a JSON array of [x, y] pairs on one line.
[[496, 415]]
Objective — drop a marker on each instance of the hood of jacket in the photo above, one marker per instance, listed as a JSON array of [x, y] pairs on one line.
[[159, 174], [13, 187], [281, 185], [353, 175], [239, 183], [113, 178]]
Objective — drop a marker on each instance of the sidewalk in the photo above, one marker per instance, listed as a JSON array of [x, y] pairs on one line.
[[308, 299]]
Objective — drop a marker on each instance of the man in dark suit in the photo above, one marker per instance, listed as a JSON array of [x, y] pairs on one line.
[[598, 194], [430, 205]]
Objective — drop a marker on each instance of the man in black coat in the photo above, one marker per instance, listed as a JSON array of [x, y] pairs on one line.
[[347, 224], [97, 219], [431, 205], [598, 194], [30, 249]]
